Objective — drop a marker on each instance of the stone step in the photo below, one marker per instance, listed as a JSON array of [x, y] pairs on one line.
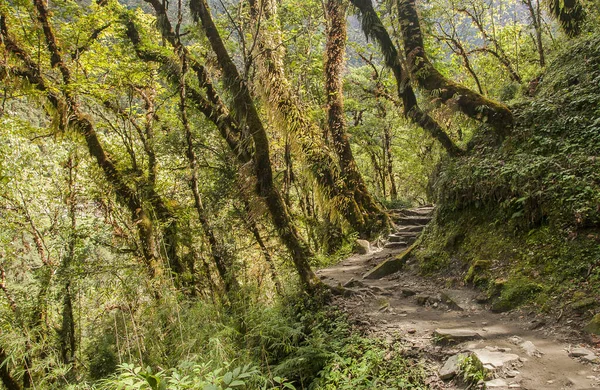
[[395, 245], [389, 266], [394, 238], [408, 239], [413, 220], [420, 211], [406, 235], [410, 229]]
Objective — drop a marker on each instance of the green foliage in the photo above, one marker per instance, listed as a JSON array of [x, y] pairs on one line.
[[187, 376], [371, 364], [471, 370], [547, 171]]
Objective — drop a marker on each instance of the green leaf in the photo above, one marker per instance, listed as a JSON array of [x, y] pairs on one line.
[[227, 378]]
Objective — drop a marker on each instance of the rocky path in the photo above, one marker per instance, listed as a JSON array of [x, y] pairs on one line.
[[518, 350]]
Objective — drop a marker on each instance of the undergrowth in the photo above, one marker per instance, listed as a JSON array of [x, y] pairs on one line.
[[296, 343]]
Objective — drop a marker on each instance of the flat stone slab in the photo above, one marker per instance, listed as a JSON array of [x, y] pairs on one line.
[[496, 384], [494, 359], [404, 229], [454, 336], [579, 352]]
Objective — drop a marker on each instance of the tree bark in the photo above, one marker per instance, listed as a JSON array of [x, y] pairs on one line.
[[469, 102], [247, 115], [67, 330], [387, 146], [354, 204], [335, 11]]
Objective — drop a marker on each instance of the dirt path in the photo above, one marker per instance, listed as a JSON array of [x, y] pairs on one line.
[[520, 351]]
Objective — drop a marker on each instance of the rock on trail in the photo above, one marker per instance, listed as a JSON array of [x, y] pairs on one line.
[[389, 299]]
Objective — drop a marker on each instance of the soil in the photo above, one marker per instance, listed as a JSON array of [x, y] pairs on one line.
[[534, 350]]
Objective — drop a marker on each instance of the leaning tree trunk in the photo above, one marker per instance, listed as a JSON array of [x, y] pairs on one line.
[[247, 114], [469, 102], [373, 28], [334, 62]]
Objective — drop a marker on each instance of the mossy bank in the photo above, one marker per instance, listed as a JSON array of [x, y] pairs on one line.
[[520, 217]]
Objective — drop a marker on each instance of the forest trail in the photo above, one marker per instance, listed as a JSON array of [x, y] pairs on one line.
[[520, 350]]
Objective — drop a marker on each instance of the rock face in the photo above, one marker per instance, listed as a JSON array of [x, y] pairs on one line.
[[363, 247], [594, 325]]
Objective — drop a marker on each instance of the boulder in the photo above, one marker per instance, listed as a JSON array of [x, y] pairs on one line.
[[530, 349], [451, 367], [455, 299], [362, 247], [477, 272], [582, 305], [389, 266]]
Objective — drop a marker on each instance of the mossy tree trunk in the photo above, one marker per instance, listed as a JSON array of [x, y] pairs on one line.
[[373, 28], [247, 115], [220, 258], [469, 102], [338, 182], [335, 13]]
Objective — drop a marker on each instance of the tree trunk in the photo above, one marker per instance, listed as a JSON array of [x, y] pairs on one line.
[[67, 330], [535, 13], [335, 11], [247, 114], [470, 103], [387, 142]]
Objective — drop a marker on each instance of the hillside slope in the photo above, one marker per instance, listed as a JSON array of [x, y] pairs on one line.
[[520, 218]]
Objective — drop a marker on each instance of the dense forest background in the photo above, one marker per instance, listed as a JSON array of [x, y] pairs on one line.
[[172, 173]]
